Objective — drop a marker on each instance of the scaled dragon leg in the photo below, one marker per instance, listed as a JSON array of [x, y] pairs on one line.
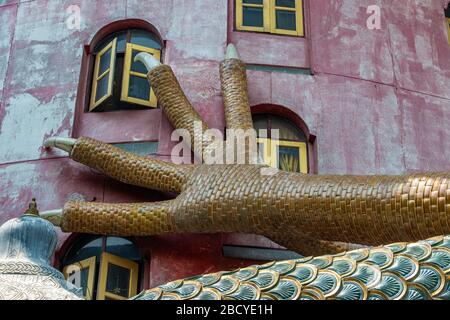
[[124, 166], [123, 220], [233, 78], [174, 102]]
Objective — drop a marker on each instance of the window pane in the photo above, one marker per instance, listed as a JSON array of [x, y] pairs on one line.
[[253, 1], [289, 159], [105, 62], [253, 17], [145, 39], [83, 278], [137, 66], [102, 88], [84, 274], [121, 42], [286, 20], [122, 247], [118, 280], [285, 3], [287, 130], [82, 252], [139, 88], [260, 123]]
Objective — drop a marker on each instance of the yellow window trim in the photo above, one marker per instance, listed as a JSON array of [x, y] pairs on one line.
[[447, 21], [240, 16], [302, 152], [127, 73], [271, 158], [299, 18], [267, 154], [269, 13], [85, 264], [107, 259], [109, 72]]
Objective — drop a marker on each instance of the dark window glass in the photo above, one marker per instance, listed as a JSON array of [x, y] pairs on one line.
[[139, 88], [253, 17], [253, 1], [122, 247], [84, 250], [145, 39], [121, 42], [286, 20], [285, 3], [137, 66], [102, 88], [118, 280], [289, 159], [286, 129], [83, 277], [84, 280], [105, 61]]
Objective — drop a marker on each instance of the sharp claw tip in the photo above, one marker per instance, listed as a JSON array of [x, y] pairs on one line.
[[232, 52], [148, 60], [65, 144], [53, 216]]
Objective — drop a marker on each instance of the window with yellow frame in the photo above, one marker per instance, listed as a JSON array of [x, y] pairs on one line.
[[82, 274], [291, 156], [447, 21], [118, 278], [118, 82], [281, 144], [110, 273], [271, 16]]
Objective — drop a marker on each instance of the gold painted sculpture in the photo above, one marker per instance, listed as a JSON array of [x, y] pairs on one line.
[[310, 214]]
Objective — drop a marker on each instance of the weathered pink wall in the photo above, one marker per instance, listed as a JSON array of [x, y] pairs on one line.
[[379, 101]]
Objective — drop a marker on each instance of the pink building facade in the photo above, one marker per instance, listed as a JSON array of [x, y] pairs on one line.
[[371, 101]]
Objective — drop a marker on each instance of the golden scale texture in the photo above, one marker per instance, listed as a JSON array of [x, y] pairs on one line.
[[286, 206], [130, 168], [400, 271], [177, 107], [234, 90]]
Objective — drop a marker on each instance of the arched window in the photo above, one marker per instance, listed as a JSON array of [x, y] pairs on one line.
[[106, 268], [119, 83], [288, 151]]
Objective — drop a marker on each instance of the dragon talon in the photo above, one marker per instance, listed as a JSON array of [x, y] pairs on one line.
[[53, 216], [148, 60], [232, 52], [65, 144]]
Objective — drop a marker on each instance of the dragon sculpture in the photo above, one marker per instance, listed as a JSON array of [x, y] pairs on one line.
[[311, 214]]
